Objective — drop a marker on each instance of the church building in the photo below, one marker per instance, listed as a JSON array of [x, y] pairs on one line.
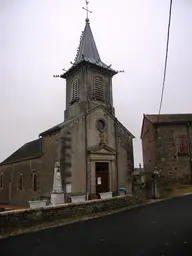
[[93, 149]]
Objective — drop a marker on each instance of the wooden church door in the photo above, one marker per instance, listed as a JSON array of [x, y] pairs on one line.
[[102, 177]]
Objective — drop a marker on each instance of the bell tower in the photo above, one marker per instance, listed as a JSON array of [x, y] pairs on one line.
[[88, 80]]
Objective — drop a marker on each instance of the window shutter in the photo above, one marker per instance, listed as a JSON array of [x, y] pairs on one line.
[[35, 182], [20, 185], [75, 90], [182, 145], [98, 88]]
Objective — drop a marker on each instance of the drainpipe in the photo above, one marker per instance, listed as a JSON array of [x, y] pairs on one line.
[[190, 155], [116, 148]]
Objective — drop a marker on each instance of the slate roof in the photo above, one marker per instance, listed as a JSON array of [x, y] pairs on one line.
[[170, 118], [59, 126], [52, 129], [29, 150], [167, 119], [87, 52], [87, 47]]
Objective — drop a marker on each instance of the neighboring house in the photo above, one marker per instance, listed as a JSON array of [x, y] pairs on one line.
[[166, 144], [94, 149]]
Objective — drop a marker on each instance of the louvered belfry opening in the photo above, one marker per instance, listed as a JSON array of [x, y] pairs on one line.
[[75, 90], [99, 88]]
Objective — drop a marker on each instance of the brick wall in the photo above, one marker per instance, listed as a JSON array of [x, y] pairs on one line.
[[14, 220]]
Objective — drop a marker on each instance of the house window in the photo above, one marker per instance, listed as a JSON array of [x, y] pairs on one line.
[[1, 180], [75, 90], [35, 182], [20, 185], [99, 88], [182, 145]]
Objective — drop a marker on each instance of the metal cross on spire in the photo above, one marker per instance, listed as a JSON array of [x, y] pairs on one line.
[[87, 10]]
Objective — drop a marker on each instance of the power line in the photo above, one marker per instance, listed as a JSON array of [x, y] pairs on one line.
[[166, 57]]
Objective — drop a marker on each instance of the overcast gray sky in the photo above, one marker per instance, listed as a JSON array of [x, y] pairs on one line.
[[40, 37]]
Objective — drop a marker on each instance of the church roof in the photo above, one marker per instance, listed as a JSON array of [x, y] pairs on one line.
[[58, 127], [87, 47], [88, 52], [29, 150], [52, 129]]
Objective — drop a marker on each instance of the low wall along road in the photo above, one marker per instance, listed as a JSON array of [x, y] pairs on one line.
[[12, 221]]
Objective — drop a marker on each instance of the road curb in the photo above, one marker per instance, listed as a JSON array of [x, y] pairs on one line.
[[168, 198]]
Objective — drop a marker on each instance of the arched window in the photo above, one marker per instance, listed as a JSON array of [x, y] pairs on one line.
[[75, 90], [20, 184], [35, 181], [1, 180], [99, 88]]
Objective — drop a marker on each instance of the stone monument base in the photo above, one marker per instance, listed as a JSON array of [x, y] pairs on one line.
[[57, 198]]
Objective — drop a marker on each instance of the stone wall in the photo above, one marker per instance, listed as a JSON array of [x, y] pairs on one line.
[[125, 156], [43, 166], [171, 165], [10, 192], [6, 171], [86, 76], [50, 155], [21, 219], [72, 155], [160, 149], [148, 146]]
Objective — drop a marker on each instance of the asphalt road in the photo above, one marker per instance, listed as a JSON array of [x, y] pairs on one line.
[[163, 228]]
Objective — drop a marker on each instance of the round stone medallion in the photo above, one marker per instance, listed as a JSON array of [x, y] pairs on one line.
[[101, 125]]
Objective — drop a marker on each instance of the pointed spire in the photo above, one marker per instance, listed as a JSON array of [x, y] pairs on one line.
[[87, 50], [87, 47]]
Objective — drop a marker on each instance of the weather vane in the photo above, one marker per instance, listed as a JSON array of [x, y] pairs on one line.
[[87, 10]]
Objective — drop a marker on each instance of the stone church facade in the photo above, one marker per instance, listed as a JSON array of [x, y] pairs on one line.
[[94, 149], [167, 146]]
